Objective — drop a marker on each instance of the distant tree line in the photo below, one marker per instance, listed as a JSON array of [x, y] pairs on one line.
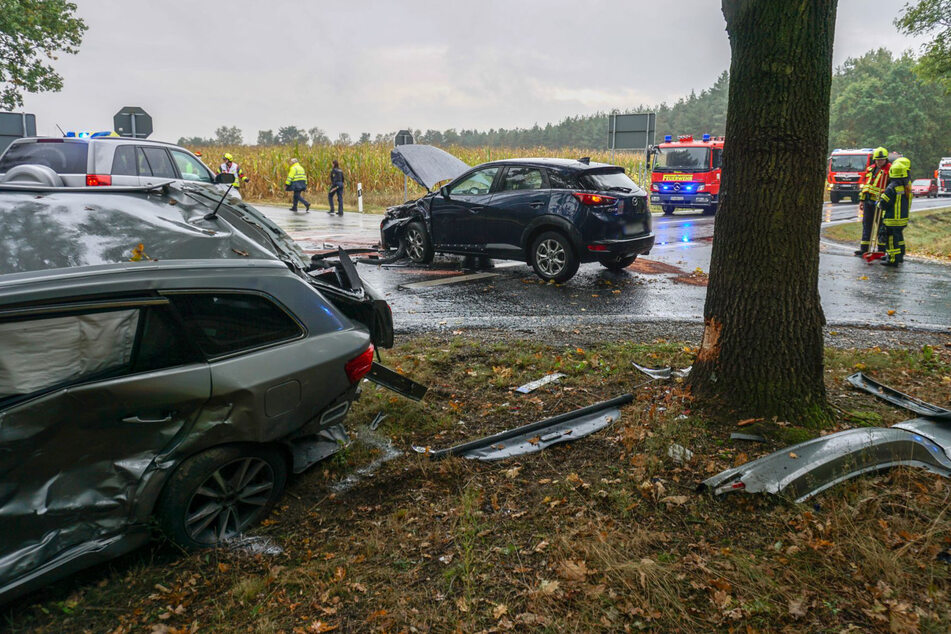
[[877, 99]]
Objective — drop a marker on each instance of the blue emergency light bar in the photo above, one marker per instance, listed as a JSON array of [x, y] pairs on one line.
[[668, 138], [706, 137]]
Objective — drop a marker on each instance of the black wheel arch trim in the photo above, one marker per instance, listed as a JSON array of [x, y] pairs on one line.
[[548, 223]]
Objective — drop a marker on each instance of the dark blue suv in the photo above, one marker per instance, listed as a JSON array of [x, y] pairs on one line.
[[551, 213]]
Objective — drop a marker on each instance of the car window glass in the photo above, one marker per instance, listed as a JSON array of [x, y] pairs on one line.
[[161, 343], [228, 322], [559, 180], [475, 184], [519, 178], [123, 161], [60, 156], [41, 353], [190, 167], [159, 162], [142, 164]]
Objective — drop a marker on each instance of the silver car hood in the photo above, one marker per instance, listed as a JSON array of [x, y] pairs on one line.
[[427, 165]]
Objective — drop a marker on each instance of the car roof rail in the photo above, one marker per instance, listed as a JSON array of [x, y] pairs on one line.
[[36, 187]]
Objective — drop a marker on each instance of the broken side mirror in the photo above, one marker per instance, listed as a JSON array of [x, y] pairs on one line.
[[444, 191], [224, 179]]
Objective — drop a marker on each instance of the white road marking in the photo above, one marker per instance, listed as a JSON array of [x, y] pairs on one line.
[[448, 280]]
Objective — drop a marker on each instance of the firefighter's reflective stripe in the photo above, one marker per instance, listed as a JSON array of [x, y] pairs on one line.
[[895, 203], [295, 174], [875, 180]]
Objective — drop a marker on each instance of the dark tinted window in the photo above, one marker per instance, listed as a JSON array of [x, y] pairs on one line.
[[159, 162], [609, 181], [228, 322], [161, 343], [60, 156], [476, 184], [518, 178], [123, 162], [717, 157], [559, 180]]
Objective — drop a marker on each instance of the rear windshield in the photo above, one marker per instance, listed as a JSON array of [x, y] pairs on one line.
[[922, 181], [61, 157], [616, 181], [848, 163]]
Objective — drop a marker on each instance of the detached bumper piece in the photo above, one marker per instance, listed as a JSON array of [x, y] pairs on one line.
[[540, 435], [895, 397], [391, 380], [803, 470]]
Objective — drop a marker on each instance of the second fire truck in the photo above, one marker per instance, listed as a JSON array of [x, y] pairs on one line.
[[686, 173]]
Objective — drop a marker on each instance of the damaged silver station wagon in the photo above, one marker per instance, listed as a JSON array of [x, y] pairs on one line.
[[180, 388]]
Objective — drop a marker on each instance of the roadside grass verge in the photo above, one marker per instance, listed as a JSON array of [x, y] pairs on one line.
[[928, 233], [605, 534]]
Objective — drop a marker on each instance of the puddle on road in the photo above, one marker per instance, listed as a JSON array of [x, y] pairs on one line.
[[387, 452]]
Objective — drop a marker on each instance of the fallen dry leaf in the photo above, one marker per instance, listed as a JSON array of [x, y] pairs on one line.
[[675, 500]]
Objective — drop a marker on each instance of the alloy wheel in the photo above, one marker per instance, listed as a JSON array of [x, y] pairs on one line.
[[551, 257], [229, 500], [414, 244]]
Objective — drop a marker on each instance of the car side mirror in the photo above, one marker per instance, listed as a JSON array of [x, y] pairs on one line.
[[224, 179], [444, 191]]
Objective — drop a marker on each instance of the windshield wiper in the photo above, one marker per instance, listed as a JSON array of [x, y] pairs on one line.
[[626, 190]]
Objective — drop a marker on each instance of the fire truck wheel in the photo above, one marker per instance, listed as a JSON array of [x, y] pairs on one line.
[[855, 198], [668, 210], [834, 198]]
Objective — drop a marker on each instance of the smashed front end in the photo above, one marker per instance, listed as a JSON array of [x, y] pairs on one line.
[[397, 218]]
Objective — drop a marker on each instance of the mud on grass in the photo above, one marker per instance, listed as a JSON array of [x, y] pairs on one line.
[[606, 534]]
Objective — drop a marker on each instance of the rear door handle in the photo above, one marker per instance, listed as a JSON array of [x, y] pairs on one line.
[[138, 421], [476, 210], [535, 205]]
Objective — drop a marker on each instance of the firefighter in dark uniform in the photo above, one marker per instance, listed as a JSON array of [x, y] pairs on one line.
[[873, 184], [895, 202]]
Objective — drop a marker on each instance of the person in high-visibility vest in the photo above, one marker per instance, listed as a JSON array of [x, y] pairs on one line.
[[230, 167], [873, 184], [297, 182], [895, 203]]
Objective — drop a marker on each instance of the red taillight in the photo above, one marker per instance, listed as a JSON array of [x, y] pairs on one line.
[[594, 199], [597, 247], [98, 180], [358, 367]]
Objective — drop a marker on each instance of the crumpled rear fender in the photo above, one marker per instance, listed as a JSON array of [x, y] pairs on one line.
[[804, 470]]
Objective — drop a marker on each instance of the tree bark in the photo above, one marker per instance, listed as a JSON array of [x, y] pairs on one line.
[[761, 353]]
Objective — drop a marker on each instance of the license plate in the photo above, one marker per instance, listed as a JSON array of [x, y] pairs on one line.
[[676, 197]]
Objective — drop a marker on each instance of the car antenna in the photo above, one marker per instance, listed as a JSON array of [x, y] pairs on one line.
[[585, 159], [60, 129], [214, 214]]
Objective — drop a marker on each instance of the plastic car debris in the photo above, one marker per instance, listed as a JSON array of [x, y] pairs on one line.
[[392, 380], [534, 385], [375, 423], [749, 437], [895, 397], [538, 435], [663, 373], [679, 453], [803, 470]]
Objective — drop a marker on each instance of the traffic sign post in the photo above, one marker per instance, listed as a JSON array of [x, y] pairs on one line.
[[404, 137], [15, 125], [631, 132], [133, 121]]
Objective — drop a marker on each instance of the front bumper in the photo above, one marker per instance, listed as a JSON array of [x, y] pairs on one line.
[[618, 248], [844, 188], [698, 200]]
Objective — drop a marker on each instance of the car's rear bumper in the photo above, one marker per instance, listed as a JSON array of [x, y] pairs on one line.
[[599, 249]]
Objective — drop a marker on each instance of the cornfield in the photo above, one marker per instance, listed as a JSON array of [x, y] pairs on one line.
[[369, 164]]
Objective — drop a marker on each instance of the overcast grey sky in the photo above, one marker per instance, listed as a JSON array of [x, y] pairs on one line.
[[376, 66]]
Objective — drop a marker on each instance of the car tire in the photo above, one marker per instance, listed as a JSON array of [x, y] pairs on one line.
[[216, 495], [553, 257], [418, 245], [855, 198], [618, 263], [668, 210], [834, 199]]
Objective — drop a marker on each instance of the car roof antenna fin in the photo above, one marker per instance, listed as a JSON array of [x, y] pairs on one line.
[[214, 214], [585, 159]]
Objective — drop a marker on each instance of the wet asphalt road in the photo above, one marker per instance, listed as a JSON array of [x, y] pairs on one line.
[[664, 285]]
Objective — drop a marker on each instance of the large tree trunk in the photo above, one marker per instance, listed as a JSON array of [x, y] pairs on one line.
[[761, 353]]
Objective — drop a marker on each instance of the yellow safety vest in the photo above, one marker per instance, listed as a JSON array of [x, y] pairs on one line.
[[295, 174], [875, 181]]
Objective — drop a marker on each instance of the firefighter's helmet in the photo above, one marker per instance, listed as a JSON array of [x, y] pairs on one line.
[[228, 157], [880, 153], [899, 168]]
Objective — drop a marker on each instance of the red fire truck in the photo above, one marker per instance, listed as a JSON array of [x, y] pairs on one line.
[[845, 173], [686, 173]]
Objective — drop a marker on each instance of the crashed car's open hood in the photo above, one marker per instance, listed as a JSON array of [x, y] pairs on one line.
[[427, 165]]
